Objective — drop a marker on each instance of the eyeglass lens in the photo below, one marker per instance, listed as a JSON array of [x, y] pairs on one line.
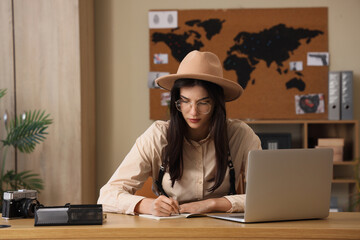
[[185, 106]]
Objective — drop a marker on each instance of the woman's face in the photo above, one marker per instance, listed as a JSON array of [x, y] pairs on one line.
[[196, 108]]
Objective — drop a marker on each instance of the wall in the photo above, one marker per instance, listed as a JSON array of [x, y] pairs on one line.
[[121, 29]]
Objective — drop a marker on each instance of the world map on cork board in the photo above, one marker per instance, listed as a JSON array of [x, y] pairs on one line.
[[279, 56]]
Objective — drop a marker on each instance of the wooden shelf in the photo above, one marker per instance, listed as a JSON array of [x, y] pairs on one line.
[[345, 163], [305, 134], [351, 181]]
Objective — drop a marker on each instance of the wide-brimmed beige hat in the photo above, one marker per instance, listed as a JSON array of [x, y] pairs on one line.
[[202, 66]]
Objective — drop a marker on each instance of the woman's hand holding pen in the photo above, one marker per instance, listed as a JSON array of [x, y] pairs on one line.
[[164, 206], [161, 206]]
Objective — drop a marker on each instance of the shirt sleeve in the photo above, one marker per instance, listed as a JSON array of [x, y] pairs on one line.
[[117, 195], [242, 139]]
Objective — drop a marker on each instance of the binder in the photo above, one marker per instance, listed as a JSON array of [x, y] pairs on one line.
[[334, 96], [347, 95]]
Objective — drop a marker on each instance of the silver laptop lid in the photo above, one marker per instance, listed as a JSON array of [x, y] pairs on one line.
[[288, 184]]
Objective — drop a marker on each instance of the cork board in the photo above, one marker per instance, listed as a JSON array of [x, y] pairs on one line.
[[265, 50]]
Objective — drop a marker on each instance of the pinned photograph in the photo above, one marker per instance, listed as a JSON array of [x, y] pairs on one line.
[[317, 58], [165, 99], [152, 76], [161, 58], [163, 19], [311, 103], [296, 66]]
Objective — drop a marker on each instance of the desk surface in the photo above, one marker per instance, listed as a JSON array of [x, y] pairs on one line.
[[336, 226]]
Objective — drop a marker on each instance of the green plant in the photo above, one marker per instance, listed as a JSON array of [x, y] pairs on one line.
[[23, 133]]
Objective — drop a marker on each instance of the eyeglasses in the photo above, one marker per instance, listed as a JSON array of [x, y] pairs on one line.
[[185, 106]]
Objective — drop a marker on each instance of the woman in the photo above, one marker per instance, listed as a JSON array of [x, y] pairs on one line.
[[197, 159]]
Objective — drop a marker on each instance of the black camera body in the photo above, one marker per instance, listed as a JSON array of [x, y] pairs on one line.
[[19, 204]]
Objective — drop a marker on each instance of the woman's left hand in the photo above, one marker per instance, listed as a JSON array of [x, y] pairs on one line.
[[206, 206]]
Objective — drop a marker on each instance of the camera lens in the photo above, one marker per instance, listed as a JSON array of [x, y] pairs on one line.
[[28, 207]]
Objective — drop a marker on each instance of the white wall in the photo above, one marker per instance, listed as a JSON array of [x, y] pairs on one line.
[[122, 48]]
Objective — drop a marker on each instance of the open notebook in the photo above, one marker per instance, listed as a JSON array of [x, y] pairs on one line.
[[183, 215]]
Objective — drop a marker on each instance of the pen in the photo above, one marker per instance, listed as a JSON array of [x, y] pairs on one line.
[[162, 192]]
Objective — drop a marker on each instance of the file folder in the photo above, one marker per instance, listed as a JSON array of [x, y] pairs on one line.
[[334, 96], [347, 95]]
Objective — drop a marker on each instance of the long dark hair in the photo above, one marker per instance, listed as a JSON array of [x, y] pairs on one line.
[[173, 153]]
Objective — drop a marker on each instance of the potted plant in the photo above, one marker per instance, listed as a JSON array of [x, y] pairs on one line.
[[23, 133]]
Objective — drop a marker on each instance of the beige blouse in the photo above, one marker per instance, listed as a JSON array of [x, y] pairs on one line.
[[144, 160]]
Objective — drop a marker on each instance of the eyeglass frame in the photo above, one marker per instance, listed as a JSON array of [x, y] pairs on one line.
[[178, 107]]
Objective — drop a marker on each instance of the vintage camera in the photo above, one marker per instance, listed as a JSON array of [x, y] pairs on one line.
[[19, 204]]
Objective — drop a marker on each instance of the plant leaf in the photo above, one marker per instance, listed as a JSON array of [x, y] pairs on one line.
[[2, 92], [25, 180], [26, 133]]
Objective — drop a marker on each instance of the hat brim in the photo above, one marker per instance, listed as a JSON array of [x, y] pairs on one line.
[[232, 90]]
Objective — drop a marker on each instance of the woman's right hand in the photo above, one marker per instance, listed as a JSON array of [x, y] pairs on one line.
[[161, 206]]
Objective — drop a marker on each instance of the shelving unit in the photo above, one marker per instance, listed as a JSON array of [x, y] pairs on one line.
[[304, 134]]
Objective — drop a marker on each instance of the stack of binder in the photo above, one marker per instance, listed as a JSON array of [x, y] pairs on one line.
[[340, 95]]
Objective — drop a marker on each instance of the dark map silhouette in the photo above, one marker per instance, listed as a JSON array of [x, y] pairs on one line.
[[212, 26], [270, 45], [178, 42], [273, 45]]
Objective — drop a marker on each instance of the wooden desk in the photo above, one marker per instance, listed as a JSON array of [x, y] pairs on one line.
[[337, 226]]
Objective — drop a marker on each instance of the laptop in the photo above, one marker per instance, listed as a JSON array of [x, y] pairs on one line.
[[286, 184]]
